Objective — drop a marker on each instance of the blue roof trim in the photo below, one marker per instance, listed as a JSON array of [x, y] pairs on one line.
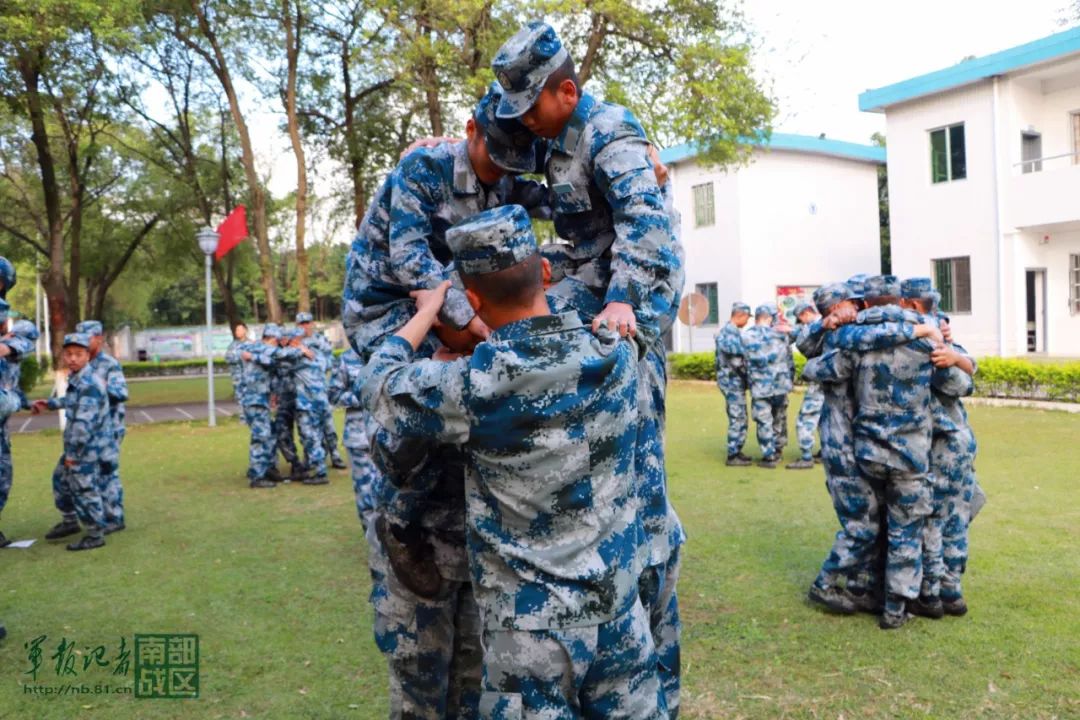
[[970, 71], [793, 143]]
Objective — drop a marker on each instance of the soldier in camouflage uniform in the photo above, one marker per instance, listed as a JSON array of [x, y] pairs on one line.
[[732, 381], [554, 566], [110, 371], [810, 410], [86, 436], [319, 342], [952, 454], [770, 382], [283, 394], [233, 359], [308, 373], [622, 267], [14, 348], [343, 392]]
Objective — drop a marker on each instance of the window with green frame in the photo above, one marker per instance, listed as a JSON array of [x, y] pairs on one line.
[[948, 154], [704, 205], [709, 291], [952, 277]]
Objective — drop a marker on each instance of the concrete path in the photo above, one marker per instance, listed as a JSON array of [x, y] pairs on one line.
[[26, 423]]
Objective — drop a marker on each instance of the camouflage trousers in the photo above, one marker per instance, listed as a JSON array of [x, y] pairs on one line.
[[330, 436], [736, 421], [657, 588], [807, 423], [859, 503], [432, 647], [600, 671], [956, 498], [363, 470], [6, 471], [76, 494], [312, 437], [908, 504], [282, 428], [770, 415], [111, 491], [261, 453]]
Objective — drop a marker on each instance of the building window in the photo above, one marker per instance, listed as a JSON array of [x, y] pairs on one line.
[[948, 159], [704, 206], [1074, 284], [709, 291], [953, 279]]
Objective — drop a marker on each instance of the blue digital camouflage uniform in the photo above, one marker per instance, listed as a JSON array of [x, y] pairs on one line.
[[810, 410], [111, 372], [732, 381], [309, 379], [21, 344], [236, 365], [283, 389], [86, 407], [543, 398], [343, 392], [256, 382], [764, 351]]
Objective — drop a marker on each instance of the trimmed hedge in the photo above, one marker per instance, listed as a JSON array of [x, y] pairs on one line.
[[997, 377], [169, 368]]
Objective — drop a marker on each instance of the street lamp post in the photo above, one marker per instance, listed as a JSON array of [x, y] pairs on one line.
[[208, 242]]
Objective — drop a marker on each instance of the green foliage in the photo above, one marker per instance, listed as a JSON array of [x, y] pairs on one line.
[[702, 365], [1020, 378], [31, 373], [171, 367]]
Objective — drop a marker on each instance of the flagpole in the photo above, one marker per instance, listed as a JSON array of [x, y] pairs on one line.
[[208, 242]]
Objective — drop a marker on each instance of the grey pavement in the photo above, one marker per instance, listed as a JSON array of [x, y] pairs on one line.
[[27, 423]]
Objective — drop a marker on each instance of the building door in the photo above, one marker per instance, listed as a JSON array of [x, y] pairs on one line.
[[1031, 151], [1036, 310]]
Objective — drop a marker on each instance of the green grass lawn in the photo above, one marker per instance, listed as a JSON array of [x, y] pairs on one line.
[[275, 584], [164, 391]]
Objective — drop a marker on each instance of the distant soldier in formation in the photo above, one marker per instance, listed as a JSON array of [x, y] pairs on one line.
[[732, 380]]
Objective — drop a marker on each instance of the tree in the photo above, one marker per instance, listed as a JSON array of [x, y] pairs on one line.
[[293, 21], [210, 30], [883, 209]]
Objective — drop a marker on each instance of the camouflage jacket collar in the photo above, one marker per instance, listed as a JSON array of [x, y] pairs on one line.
[[539, 325], [465, 180], [575, 126]]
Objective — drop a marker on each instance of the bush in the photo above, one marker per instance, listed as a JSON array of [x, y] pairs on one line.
[[30, 373], [172, 368], [702, 366], [1021, 378]]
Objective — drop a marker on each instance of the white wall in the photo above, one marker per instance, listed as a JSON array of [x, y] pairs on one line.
[[949, 219], [765, 234], [1049, 251]]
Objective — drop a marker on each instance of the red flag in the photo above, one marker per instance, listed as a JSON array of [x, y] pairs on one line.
[[231, 232]]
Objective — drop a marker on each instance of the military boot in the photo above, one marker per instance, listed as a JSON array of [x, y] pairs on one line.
[[800, 465], [831, 599], [261, 483], [895, 615], [736, 461], [4, 542], [927, 607], [337, 462], [954, 606], [769, 461], [62, 529], [297, 472], [273, 475], [88, 542]]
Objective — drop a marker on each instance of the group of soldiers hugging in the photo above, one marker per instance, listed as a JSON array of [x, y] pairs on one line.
[[86, 481], [884, 382]]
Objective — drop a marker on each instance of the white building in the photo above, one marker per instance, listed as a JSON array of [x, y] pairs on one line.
[[984, 191], [802, 214]]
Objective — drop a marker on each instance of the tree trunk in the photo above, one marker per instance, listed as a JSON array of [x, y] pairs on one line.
[[255, 190], [597, 33], [352, 142], [292, 51], [30, 69]]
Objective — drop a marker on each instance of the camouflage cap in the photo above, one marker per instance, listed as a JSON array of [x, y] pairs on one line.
[[740, 307], [7, 275], [801, 308], [304, 317], [882, 286], [271, 330], [492, 240], [511, 145], [827, 296], [77, 338], [765, 309], [294, 333], [857, 285], [920, 288], [90, 327], [522, 66], [25, 329]]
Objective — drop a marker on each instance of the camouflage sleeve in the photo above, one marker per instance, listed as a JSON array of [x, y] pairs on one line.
[[116, 384], [54, 403], [811, 342], [644, 252], [232, 354], [424, 398], [832, 366], [413, 264], [11, 401], [866, 338], [20, 347], [952, 381], [533, 196], [84, 425], [974, 363]]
